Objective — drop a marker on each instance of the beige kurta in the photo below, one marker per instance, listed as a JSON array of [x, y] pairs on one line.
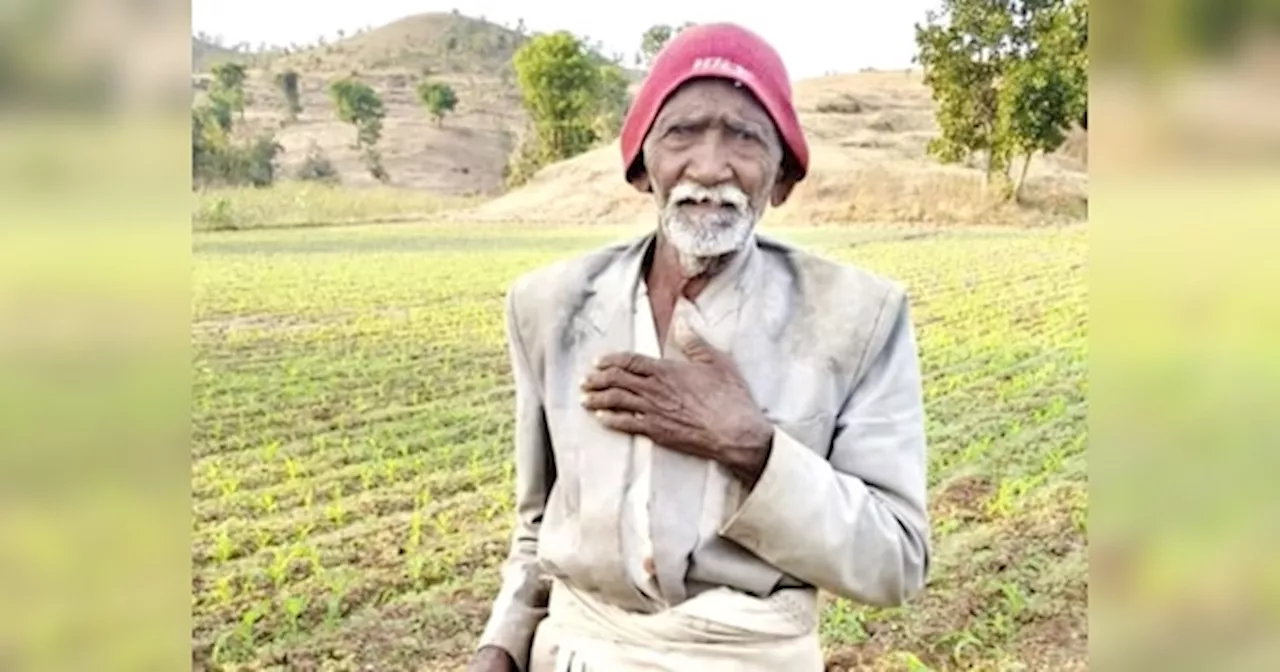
[[637, 542], [828, 352], [721, 629], [714, 314]]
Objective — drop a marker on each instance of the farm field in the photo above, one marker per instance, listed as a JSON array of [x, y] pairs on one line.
[[352, 417]]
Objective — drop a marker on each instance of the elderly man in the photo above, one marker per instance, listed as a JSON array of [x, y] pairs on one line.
[[710, 425]]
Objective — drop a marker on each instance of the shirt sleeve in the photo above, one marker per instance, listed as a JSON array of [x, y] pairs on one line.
[[856, 523], [522, 599]]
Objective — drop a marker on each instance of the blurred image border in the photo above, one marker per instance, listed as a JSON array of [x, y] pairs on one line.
[[95, 202]]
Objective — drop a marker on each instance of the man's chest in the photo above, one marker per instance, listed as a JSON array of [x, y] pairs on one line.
[[789, 386]]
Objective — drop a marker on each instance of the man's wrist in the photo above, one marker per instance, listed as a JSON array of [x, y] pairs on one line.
[[747, 460]]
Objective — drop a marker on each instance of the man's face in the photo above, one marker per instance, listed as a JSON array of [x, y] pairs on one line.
[[712, 158]]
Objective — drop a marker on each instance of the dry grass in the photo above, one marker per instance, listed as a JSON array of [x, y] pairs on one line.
[[465, 155], [297, 204], [867, 133]]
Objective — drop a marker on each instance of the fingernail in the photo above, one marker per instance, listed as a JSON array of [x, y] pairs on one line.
[[583, 399]]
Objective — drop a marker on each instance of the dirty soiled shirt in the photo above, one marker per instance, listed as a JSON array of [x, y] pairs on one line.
[[841, 505], [636, 539], [713, 314]]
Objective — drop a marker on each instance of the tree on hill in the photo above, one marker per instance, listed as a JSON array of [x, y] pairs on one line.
[[655, 38], [1009, 78], [217, 158], [1044, 94], [288, 83], [612, 100], [218, 111], [574, 98], [228, 85], [359, 105], [558, 80], [439, 99]]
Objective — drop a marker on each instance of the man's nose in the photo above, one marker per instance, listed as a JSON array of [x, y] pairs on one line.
[[709, 162]]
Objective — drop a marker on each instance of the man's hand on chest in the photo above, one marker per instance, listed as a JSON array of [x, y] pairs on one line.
[[701, 406]]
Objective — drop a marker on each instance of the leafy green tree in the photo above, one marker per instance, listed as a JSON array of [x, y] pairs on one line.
[[218, 110], [960, 49], [575, 99], [228, 85], [217, 160], [288, 83], [359, 105], [439, 99], [559, 79], [1008, 76], [1042, 95], [655, 38], [652, 41], [258, 160], [612, 100], [208, 137]]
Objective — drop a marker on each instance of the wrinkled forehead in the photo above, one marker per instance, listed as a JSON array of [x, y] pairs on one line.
[[714, 98]]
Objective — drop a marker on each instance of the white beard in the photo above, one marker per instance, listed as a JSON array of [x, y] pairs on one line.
[[700, 240]]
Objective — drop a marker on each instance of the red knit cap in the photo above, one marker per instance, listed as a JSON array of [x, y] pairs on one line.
[[721, 50]]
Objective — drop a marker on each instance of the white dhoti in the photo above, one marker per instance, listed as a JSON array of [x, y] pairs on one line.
[[720, 630]]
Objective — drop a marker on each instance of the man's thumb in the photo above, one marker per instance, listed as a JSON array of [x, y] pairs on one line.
[[694, 346]]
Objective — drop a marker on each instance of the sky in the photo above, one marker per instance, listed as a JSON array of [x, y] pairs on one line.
[[814, 37]]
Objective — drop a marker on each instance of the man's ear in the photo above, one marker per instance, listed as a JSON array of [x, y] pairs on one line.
[[640, 180], [782, 190]]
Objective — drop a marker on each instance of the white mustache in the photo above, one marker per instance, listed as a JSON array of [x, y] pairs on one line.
[[725, 194]]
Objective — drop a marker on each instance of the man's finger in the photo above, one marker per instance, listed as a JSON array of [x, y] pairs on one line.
[[615, 399], [628, 423], [613, 377], [630, 361]]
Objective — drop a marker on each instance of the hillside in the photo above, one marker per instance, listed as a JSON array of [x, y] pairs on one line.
[[867, 132], [466, 155], [437, 42]]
